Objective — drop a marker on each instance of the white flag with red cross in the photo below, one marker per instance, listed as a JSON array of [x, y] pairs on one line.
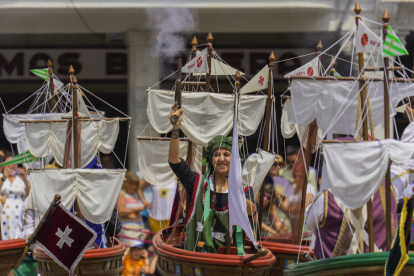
[[258, 82]]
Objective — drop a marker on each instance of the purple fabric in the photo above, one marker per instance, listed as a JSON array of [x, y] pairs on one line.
[[330, 231], [380, 238]]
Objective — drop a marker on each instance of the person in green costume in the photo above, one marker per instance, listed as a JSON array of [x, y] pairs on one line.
[[207, 218]]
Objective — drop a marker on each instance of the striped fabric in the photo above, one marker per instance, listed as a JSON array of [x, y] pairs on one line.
[[42, 73], [25, 157], [392, 45]]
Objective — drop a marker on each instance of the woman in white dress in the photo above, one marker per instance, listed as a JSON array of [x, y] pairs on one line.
[[14, 188]]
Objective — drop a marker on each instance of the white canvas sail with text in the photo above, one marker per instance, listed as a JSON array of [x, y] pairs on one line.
[[366, 41], [310, 69]]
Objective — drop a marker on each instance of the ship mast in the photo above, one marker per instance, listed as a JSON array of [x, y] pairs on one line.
[[312, 127], [386, 18], [266, 143], [209, 55], [51, 86], [357, 10]]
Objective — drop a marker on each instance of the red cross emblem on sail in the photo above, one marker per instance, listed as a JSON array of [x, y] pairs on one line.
[[261, 80]]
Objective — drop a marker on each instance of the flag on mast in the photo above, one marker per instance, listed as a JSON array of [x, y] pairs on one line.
[[366, 41], [65, 238], [392, 45], [237, 199], [258, 82], [309, 69], [44, 75]]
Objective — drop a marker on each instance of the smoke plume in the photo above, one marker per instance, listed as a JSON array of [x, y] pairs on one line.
[[171, 27]]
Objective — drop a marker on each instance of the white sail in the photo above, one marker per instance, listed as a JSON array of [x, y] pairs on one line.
[[82, 109], [153, 161], [237, 199], [355, 171], [102, 136], [218, 68], [256, 168], [206, 115], [310, 69], [197, 64], [96, 191], [366, 40], [289, 128], [258, 82], [328, 102]]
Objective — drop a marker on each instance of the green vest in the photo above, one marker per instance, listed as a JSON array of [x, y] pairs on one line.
[[212, 230]]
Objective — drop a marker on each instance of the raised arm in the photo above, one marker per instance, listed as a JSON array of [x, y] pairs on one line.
[[173, 155]]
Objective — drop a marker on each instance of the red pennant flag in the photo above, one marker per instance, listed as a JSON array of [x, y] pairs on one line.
[[65, 238]]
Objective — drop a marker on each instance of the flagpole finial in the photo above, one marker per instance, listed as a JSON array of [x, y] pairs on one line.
[[209, 37], [385, 16], [272, 57], [237, 76], [49, 63], [71, 70], [319, 47], [333, 62], [75, 80], [57, 197], [194, 42], [357, 8]]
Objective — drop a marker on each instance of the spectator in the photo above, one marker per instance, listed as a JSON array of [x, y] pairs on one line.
[[131, 202], [162, 203], [14, 188], [135, 260], [107, 161], [291, 157]]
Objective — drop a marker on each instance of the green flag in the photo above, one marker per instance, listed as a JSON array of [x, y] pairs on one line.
[[392, 45], [336, 74], [42, 73], [25, 157]]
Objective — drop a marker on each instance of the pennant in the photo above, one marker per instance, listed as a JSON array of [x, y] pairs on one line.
[[336, 74], [258, 82], [237, 199], [309, 69], [82, 109], [25, 157], [65, 238], [392, 45], [366, 41], [42, 73], [197, 64], [398, 256], [57, 84]]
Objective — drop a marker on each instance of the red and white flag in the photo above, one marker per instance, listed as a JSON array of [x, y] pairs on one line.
[[258, 82], [65, 238]]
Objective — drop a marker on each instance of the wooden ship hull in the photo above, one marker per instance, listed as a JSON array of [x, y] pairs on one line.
[[372, 264], [175, 261], [284, 253], [103, 261], [10, 252]]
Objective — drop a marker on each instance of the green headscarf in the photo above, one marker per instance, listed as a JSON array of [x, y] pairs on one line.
[[219, 141]]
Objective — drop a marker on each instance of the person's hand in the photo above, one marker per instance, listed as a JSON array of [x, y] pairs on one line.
[[145, 254], [178, 113], [410, 113], [2, 200], [148, 205], [22, 173]]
